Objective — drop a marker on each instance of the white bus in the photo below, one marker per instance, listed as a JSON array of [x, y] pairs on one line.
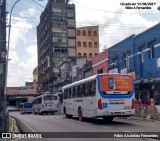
[[25, 107], [102, 95], [45, 103]]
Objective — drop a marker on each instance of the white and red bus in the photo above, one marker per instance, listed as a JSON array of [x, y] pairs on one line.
[[102, 95]]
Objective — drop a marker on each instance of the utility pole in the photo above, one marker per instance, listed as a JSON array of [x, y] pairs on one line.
[[3, 114]]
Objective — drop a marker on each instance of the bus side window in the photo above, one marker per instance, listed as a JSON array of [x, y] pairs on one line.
[[55, 97], [87, 89], [81, 90], [73, 91], [69, 93], [65, 94], [76, 91], [93, 87]]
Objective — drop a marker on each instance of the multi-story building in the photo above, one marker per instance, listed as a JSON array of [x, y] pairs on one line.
[[13, 90], [30, 87], [55, 39], [87, 41], [139, 55], [35, 79]]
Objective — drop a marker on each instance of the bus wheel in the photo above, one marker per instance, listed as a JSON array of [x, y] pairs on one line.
[[107, 119], [80, 114]]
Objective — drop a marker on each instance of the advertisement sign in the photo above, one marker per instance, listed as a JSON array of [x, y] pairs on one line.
[[115, 82]]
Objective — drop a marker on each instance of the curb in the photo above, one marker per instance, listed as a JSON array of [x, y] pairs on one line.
[[22, 126]]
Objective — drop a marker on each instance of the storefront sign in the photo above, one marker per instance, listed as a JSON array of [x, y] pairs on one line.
[[137, 81], [124, 71], [115, 70]]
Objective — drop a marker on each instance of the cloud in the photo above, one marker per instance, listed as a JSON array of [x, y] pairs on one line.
[[115, 22], [22, 50]]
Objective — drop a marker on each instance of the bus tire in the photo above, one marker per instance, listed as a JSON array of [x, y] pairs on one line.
[[80, 116], [107, 119]]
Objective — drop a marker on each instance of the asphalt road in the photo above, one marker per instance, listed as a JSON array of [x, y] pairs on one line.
[[58, 123]]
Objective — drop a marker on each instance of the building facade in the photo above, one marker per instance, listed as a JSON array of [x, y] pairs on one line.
[[35, 79], [13, 90], [55, 39], [100, 63], [87, 41], [139, 55]]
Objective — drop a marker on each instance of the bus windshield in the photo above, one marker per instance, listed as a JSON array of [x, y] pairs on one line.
[[27, 105], [116, 83], [48, 97]]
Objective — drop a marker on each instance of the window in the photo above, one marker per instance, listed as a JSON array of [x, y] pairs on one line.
[[93, 87], [60, 49], [84, 44], [79, 44], [87, 89], [158, 62], [79, 54], [95, 44], [90, 44], [73, 92], [69, 93], [141, 57], [84, 33], [114, 60], [100, 71], [85, 55], [151, 52], [89, 33], [125, 59], [90, 55], [95, 54], [81, 90], [60, 40], [65, 94], [78, 33], [76, 90], [95, 33]]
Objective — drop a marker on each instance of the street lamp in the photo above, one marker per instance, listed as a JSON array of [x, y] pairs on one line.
[[9, 30], [70, 66], [48, 79]]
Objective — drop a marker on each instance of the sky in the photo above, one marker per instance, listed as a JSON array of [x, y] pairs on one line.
[[114, 21]]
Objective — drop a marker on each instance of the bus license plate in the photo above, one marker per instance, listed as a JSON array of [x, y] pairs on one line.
[[117, 113], [127, 107]]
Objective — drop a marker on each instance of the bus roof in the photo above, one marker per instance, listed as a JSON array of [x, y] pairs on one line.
[[91, 78]]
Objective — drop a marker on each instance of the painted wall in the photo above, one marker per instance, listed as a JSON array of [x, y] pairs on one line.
[[100, 61]]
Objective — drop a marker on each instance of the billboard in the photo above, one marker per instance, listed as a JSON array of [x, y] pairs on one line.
[[115, 82]]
